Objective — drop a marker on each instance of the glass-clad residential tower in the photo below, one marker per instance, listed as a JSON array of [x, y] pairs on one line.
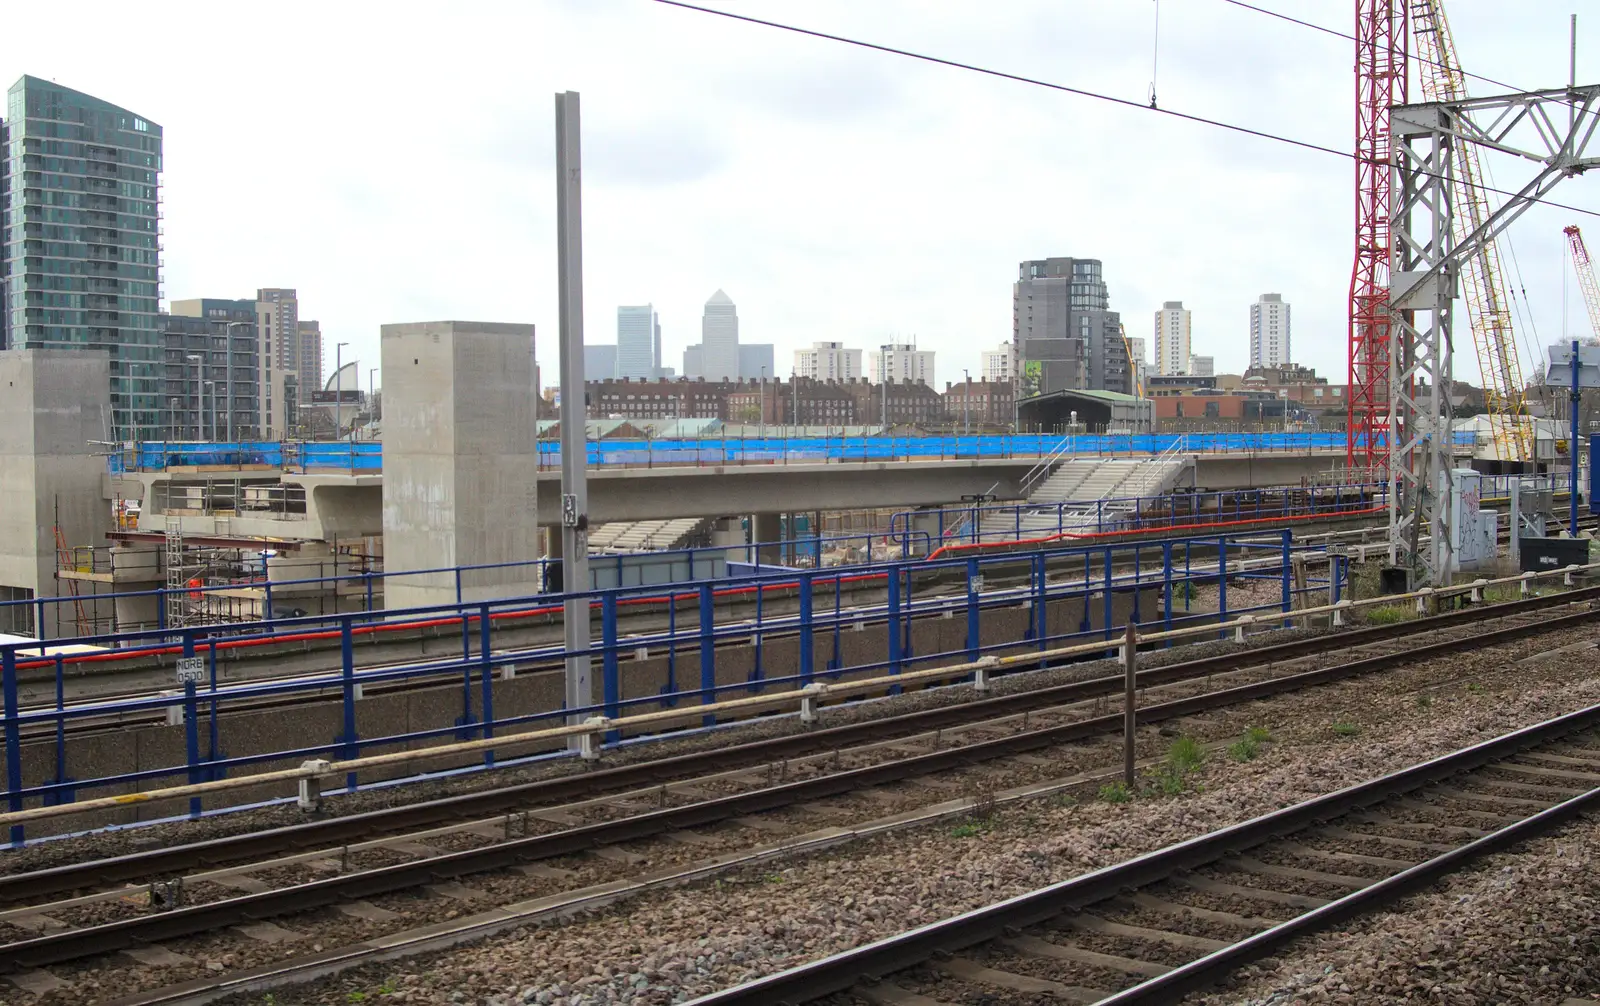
[[80, 250]]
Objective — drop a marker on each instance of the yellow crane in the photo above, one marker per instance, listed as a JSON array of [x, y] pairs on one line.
[[1483, 281]]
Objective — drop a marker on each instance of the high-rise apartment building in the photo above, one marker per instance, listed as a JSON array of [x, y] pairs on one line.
[[308, 353], [638, 343], [757, 360], [212, 376], [80, 245], [287, 342], [247, 394], [999, 364], [1269, 331], [719, 339], [827, 361], [1172, 338], [1066, 334], [901, 362]]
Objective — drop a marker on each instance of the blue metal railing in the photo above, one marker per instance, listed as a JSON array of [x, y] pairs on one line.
[[1088, 595]]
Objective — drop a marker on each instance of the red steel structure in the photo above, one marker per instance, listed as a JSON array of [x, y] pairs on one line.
[[1382, 50]]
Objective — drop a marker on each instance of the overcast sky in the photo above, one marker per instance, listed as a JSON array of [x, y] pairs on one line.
[[395, 162]]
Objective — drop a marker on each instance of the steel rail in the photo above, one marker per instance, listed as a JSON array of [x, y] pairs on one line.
[[109, 937], [841, 971], [342, 830]]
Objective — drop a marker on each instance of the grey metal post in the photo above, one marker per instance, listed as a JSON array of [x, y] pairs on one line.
[[574, 457], [1515, 487]]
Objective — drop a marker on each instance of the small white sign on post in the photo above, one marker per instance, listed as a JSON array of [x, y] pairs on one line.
[[191, 669]]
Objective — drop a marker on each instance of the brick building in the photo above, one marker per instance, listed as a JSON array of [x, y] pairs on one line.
[[983, 403], [801, 402], [680, 399]]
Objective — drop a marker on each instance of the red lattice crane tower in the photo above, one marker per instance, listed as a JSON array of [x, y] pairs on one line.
[[1381, 56]]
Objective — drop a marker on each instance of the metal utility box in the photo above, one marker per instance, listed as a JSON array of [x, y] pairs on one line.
[[1543, 554]]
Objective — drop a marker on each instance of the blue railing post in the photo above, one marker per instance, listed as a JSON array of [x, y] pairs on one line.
[[671, 688], [1288, 548], [1222, 579], [756, 673], [213, 742], [486, 663], [8, 671], [38, 620], [350, 747], [191, 742], [1166, 587], [708, 652], [1107, 606], [807, 642], [611, 686], [60, 795], [973, 583], [1041, 623], [894, 624]]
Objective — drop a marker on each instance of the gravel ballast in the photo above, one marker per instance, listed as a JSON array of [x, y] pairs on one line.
[[670, 946]]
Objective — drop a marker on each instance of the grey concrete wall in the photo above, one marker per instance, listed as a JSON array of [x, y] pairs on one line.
[[459, 458], [53, 404]]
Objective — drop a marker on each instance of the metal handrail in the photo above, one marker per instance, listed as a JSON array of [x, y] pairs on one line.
[[1045, 465]]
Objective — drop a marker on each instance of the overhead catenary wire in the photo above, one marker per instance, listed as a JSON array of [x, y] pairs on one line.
[[1068, 89], [1351, 38]]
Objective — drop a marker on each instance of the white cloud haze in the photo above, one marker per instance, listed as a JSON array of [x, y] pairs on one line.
[[395, 162]]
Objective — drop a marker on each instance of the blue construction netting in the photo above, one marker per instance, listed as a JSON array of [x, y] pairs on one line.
[[368, 455]]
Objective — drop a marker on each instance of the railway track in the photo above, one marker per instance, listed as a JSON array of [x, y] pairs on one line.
[[1163, 925], [522, 826]]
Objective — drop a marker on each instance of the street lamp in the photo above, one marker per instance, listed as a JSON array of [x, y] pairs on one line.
[[200, 376], [966, 403], [372, 391], [338, 390], [228, 339], [213, 386]]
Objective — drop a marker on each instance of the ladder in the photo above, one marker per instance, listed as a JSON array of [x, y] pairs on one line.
[[64, 562], [174, 599]]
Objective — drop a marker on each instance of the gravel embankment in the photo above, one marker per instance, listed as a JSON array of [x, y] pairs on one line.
[[669, 946], [1522, 928]]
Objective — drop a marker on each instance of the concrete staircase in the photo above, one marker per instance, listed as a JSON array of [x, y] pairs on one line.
[[643, 535], [1085, 482]]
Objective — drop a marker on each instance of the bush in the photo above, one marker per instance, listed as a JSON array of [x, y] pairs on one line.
[[1345, 728], [1244, 749], [1387, 615]]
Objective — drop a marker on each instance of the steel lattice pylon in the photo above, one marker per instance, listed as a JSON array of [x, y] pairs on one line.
[[1551, 129], [1483, 281], [1381, 57]]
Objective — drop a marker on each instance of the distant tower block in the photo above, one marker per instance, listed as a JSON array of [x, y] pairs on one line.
[[460, 452]]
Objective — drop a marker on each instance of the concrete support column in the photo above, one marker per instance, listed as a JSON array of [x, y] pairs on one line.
[[459, 460], [766, 528], [136, 567]]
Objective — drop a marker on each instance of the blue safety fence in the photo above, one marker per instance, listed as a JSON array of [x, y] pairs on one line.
[[793, 627]]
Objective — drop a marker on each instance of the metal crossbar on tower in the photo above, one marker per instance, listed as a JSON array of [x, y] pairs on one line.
[[1381, 83], [1483, 281], [1553, 130]]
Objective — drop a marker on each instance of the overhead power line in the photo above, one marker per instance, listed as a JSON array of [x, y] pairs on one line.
[[1065, 89]]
